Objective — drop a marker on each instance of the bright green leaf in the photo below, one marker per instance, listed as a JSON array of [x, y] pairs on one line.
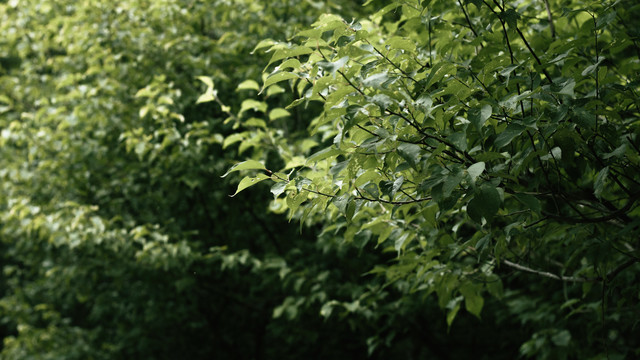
[[245, 165], [248, 182]]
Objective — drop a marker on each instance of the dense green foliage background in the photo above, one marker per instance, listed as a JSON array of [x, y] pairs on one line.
[[448, 179]]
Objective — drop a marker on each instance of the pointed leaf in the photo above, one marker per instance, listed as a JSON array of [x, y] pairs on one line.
[[479, 115], [248, 85], [598, 184], [245, 165], [476, 170], [278, 188], [410, 152], [249, 181], [510, 133], [281, 76]]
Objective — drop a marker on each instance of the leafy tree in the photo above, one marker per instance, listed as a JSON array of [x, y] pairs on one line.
[[116, 240], [483, 152], [491, 147]]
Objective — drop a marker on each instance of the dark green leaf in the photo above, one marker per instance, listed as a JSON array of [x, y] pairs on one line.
[[511, 132], [479, 115], [485, 203]]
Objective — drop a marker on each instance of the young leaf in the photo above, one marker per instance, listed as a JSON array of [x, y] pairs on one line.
[[277, 77], [245, 165], [294, 200], [278, 113], [248, 181], [278, 188], [206, 80], [248, 85]]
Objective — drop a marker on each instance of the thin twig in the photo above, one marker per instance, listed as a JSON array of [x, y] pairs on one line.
[[547, 274], [550, 17], [466, 16], [362, 197]]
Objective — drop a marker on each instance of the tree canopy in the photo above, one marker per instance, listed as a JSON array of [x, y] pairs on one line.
[[409, 178]]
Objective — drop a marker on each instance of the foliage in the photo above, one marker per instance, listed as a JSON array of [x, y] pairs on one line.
[[489, 146], [116, 238], [421, 156]]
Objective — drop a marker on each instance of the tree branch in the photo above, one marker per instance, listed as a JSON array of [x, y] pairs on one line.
[[548, 274]]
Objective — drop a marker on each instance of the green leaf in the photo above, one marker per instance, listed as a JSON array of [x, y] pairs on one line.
[[604, 20], [245, 165], [207, 96], [278, 113], [617, 153], [451, 182], [401, 43], [410, 152], [485, 203], [476, 170], [425, 103], [511, 16], [376, 80], [295, 200], [248, 85], [277, 77], [473, 301], [232, 139], [459, 139], [323, 154], [248, 181], [511, 132], [206, 80], [530, 201], [341, 202], [451, 315], [254, 105], [561, 338], [479, 115], [366, 177], [332, 67], [278, 188], [438, 72], [263, 44], [568, 88], [326, 19], [286, 53], [598, 184]]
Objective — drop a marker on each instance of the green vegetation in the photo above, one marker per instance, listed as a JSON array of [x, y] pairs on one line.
[[409, 179]]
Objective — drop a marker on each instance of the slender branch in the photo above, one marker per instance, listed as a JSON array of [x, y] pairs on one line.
[[362, 197], [351, 84], [536, 222], [392, 63], [367, 130], [521, 37], [550, 17], [534, 54], [466, 16], [588, 220], [548, 274], [305, 189], [622, 267], [438, 139]]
